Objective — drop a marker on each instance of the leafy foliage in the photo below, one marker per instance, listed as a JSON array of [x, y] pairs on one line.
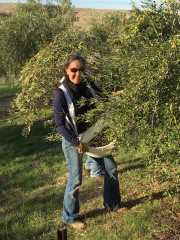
[[29, 29], [144, 62], [105, 28], [141, 58], [43, 71]]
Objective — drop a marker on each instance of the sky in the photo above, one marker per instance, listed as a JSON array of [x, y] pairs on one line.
[[98, 4], [103, 4]]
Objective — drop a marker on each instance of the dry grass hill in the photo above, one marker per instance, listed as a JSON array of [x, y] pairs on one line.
[[83, 14]]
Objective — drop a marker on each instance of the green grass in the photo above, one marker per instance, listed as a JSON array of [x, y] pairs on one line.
[[31, 169], [7, 91], [33, 175]]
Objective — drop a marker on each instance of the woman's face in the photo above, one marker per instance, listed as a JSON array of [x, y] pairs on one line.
[[74, 71]]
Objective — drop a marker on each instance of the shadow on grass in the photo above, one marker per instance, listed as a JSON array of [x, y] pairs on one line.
[[138, 166], [90, 193], [28, 163], [132, 160], [94, 213], [43, 200], [15, 145], [152, 197], [129, 204], [38, 208]]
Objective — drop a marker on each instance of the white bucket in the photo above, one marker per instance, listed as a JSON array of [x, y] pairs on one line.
[[89, 134]]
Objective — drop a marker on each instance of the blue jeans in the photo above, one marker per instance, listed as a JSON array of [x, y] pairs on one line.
[[94, 166], [71, 197]]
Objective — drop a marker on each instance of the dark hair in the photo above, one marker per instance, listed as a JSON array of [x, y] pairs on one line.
[[71, 58], [67, 62]]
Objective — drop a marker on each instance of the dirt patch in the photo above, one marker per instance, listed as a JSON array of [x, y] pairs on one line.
[[5, 107], [167, 235]]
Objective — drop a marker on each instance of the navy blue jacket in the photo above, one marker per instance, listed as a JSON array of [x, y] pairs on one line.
[[61, 110]]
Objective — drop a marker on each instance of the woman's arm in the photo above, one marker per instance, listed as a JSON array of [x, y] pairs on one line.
[[60, 112]]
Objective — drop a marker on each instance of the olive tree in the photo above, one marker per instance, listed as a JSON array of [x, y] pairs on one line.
[[30, 28], [142, 61]]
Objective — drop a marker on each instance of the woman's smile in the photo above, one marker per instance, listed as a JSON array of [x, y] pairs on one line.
[[75, 71]]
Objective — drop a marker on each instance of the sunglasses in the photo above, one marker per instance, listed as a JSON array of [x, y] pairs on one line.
[[74, 70]]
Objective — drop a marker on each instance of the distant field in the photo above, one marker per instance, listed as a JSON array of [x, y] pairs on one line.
[[7, 7], [83, 14]]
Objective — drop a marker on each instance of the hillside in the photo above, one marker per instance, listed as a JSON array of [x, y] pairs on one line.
[[83, 14]]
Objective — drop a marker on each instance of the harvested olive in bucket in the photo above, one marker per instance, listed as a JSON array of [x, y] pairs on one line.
[[104, 137]]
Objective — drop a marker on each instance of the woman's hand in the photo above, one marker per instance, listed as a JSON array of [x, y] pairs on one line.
[[82, 147]]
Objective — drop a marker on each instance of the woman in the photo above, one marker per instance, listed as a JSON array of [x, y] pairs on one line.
[[66, 110]]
